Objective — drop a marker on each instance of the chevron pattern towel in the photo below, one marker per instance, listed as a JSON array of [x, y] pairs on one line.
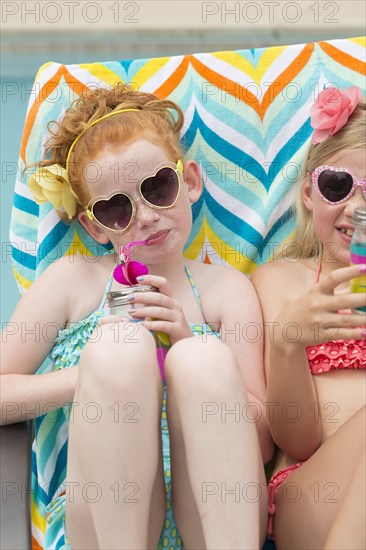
[[246, 123]]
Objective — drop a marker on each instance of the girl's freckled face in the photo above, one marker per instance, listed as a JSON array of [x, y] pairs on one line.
[[122, 169]]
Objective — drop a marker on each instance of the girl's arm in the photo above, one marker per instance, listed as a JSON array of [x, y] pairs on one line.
[[26, 341], [292, 319], [24, 396], [291, 400], [291, 394], [242, 331]]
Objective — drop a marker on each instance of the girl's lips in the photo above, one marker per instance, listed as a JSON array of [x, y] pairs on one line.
[[158, 238], [344, 236]]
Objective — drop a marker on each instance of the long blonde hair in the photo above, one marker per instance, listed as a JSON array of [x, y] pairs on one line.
[[351, 137]]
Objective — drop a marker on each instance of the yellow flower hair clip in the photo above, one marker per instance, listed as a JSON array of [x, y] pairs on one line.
[[51, 184]]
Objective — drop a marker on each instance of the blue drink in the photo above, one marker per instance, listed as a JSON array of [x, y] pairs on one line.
[[358, 253]]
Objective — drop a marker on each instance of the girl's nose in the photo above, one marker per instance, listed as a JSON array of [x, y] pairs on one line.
[[357, 200], [146, 215]]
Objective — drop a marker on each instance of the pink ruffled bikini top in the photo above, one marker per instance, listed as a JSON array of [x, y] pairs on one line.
[[336, 354]]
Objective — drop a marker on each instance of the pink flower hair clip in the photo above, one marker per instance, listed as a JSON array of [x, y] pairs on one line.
[[128, 270], [332, 110]]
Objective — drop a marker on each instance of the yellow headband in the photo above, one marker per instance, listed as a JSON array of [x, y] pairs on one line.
[[90, 125], [52, 183]]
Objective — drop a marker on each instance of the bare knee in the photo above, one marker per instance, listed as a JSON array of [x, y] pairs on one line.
[[119, 354], [205, 363]]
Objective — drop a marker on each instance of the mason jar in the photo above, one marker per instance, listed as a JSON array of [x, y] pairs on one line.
[[118, 303]]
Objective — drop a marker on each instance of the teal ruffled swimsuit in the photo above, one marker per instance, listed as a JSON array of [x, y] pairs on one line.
[[49, 451]]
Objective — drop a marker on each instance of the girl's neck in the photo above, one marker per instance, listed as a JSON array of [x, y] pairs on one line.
[[170, 270]]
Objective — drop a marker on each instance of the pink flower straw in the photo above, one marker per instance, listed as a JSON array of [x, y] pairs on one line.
[[128, 270]]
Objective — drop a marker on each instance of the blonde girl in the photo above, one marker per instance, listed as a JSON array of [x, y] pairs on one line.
[[315, 350]]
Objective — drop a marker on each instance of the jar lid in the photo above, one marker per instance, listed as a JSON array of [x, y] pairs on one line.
[[119, 297], [359, 215]]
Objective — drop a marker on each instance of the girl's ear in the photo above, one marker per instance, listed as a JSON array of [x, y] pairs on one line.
[[193, 178], [93, 229], [306, 194]]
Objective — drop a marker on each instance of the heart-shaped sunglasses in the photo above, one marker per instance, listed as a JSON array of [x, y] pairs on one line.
[[117, 210], [335, 185]]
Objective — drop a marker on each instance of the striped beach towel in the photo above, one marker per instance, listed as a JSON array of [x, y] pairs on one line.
[[246, 123]]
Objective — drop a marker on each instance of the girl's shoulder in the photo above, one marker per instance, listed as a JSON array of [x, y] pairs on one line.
[[284, 277], [225, 291], [80, 279], [217, 276], [290, 268], [222, 287], [92, 274], [76, 271]]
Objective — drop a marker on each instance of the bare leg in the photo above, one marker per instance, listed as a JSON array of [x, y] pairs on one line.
[[217, 472], [115, 444], [307, 510], [348, 530]]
